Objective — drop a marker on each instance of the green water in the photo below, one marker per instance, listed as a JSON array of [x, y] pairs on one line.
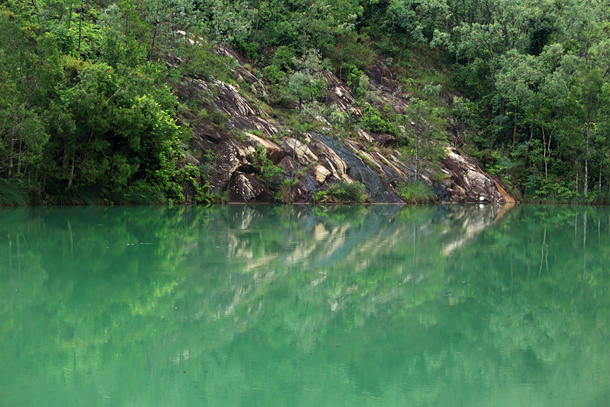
[[305, 306]]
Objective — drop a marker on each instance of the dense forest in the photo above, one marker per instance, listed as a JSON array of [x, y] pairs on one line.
[[90, 112]]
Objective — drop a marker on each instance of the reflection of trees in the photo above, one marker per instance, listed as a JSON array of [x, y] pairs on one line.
[[251, 301], [329, 264], [553, 318], [75, 279]]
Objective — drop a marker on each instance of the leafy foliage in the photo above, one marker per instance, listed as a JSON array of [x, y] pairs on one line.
[[415, 192], [266, 170], [372, 120], [86, 106], [343, 192]]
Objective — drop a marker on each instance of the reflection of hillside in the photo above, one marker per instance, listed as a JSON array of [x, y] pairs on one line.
[[332, 257], [342, 234], [304, 306], [339, 234], [391, 300], [467, 222]]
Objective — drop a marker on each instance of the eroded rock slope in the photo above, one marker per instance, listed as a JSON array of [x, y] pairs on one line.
[[312, 161]]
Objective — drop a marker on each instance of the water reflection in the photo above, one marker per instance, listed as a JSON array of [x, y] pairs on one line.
[[301, 305]]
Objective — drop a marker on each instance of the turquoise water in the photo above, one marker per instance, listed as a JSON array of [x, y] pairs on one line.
[[305, 306]]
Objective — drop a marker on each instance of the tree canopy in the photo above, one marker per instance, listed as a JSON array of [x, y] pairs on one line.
[[88, 107]]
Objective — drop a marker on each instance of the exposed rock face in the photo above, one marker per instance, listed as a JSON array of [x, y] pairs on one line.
[[375, 186], [228, 158], [340, 95], [247, 188], [312, 161], [468, 183]]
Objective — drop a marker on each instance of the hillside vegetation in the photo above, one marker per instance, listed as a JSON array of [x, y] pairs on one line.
[[99, 100]]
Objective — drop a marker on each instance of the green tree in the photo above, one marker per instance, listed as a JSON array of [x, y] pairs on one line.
[[307, 83]]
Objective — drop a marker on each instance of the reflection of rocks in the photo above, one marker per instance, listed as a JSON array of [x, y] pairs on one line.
[[467, 222], [339, 255], [354, 234]]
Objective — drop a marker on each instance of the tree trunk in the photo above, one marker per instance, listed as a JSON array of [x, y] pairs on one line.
[[70, 15], [61, 12], [71, 171], [501, 105], [80, 25], [547, 149], [529, 143], [35, 6], [19, 156], [416, 156], [515, 124], [491, 62], [544, 154], [258, 17], [586, 187], [305, 33], [584, 245], [10, 160]]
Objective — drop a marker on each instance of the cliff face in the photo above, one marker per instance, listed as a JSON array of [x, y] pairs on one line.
[[241, 152]]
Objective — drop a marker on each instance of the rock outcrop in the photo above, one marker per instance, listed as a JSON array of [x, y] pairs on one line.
[[468, 183], [309, 162]]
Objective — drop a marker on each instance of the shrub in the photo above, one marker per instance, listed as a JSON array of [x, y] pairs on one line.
[[284, 195], [358, 82], [266, 170], [372, 120], [549, 191], [219, 118], [284, 57], [12, 194], [342, 192], [248, 49], [274, 74], [415, 192]]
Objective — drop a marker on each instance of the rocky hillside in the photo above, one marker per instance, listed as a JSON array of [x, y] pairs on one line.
[[253, 154]]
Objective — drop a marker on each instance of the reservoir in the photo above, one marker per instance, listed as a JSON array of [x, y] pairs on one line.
[[269, 306]]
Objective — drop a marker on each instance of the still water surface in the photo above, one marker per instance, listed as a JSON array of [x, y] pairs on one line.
[[305, 306]]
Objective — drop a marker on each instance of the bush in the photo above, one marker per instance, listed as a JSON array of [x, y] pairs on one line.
[[358, 82], [284, 195], [284, 57], [274, 74], [372, 120], [248, 49], [342, 192], [12, 194], [415, 192], [266, 170], [142, 194], [219, 118], [550, 191]]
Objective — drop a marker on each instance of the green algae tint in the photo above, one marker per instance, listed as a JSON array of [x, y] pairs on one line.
[[305, 306]]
